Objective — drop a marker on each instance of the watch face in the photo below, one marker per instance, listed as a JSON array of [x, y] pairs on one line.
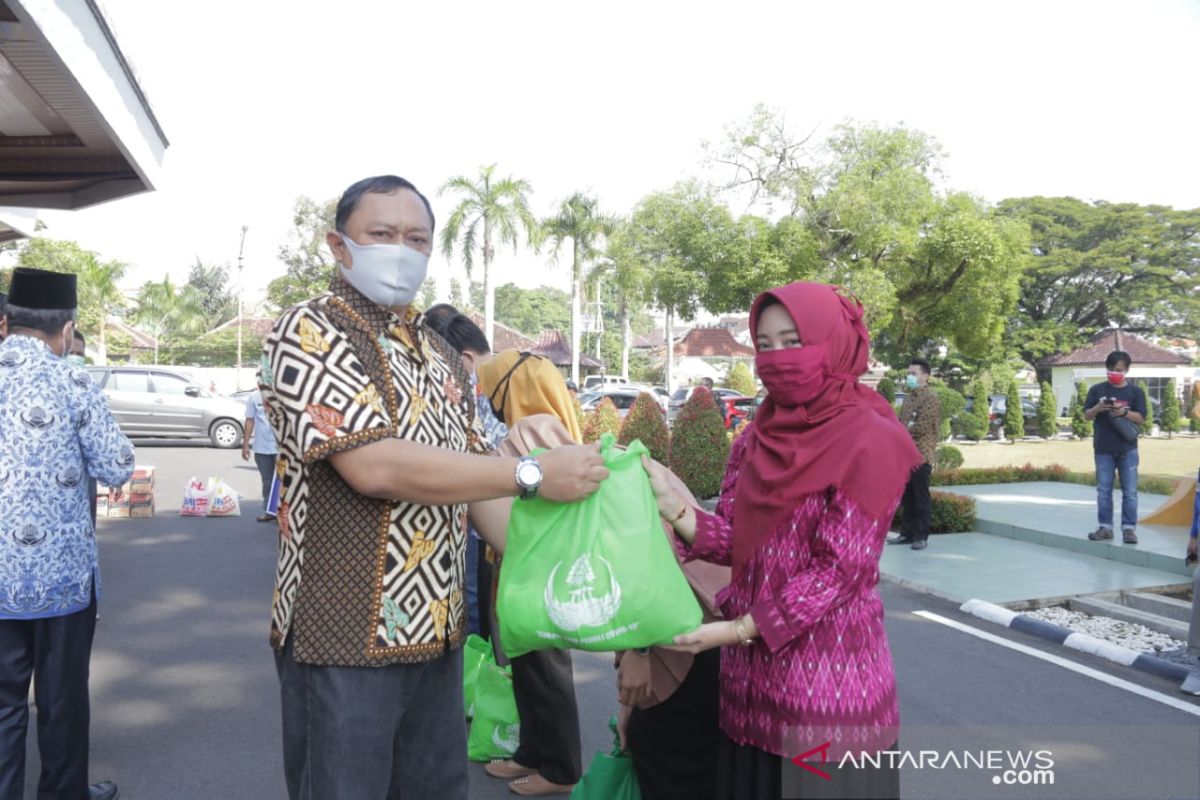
[[530, 474]]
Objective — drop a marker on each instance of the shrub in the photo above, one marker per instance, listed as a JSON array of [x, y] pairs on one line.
[[580, 416], [952, 403], [1172, 417], [1081, 428], [951, 513], [1148, 424], [645, 423], [604, 419], [699, 445], [1047, 414], [740, 380], [1014, 414], [887, 388], [947, 457], [1149, 484], [975, 424]]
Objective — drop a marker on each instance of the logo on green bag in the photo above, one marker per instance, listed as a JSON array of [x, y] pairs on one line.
[[583, 609], [507, 737]]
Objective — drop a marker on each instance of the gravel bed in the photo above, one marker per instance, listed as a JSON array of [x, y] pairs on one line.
[[1136, 637]]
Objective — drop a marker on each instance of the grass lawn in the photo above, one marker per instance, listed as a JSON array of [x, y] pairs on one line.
[[1177, 457]]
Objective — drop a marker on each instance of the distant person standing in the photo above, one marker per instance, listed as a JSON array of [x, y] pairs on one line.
[[921, 413], [258, 436], [707, 383], [1112, 406], [55, 430]]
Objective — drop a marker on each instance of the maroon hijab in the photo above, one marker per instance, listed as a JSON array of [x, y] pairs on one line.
[[818, 426]]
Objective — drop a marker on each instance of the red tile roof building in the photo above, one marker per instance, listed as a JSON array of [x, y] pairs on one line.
[[1101, 344], [712, 343]]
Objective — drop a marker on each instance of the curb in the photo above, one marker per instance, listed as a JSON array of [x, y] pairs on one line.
[[1075, 640]]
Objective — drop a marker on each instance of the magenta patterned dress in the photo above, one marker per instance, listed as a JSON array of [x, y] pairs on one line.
[[821, 669]]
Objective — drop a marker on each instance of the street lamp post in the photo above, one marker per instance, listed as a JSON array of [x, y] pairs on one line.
[[241, 248]]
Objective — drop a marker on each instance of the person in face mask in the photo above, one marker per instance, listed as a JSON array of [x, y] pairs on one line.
[[807, 500], [382, 462], [921, 413], [1118, 409], [56, 429]]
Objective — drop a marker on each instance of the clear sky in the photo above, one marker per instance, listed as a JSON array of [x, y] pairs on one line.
[[264, 100]]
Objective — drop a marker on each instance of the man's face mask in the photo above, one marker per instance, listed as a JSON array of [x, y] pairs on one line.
[[387, 274]]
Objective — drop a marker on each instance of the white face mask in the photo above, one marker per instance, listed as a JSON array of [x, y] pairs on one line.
[[388, 274]]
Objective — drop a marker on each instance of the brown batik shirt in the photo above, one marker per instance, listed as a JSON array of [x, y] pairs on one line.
[[921, 413], [360, 581]]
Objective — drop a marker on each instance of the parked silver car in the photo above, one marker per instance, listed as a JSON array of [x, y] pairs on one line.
[[152, 402]]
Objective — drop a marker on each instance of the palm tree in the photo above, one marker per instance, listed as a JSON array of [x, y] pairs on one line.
[[164, 310], [578, 219], [489, 208], [98, 295], [621, 266]]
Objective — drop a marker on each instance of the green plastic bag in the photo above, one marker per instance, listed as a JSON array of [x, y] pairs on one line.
[[597, 575], [495, 730], [476, 652], [610, 776]]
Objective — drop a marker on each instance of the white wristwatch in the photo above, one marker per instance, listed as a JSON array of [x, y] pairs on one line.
[[529, 477]]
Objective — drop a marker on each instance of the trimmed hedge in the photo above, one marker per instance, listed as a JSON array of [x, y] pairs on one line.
[[700, 445], [1014, 414], [951, 513], [740, 380], [1047, 414], [645, 422], [887, 388], [604, 419], [1081, 428], [1149, 484], [947, 457]]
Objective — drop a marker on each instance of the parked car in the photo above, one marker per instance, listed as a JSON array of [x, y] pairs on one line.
[[997, 408], [596, 381], [153, 402], [622, 397], [683, 394], [738, 410]]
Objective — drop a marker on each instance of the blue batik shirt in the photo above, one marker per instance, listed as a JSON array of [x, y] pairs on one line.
[[56, 429], [494, 430]]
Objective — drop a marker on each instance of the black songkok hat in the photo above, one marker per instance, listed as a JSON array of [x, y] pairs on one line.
[[37, 288]]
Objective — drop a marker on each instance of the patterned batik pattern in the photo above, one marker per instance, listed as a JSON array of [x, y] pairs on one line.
[[360, 581], [56, 429]]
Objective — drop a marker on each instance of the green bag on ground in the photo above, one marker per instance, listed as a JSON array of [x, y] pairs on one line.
[[610, 776], [475, 652], [495, 730], [597, 575]]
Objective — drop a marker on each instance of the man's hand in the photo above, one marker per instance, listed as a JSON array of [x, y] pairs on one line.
[[1191, 549], [246, 451], [623, 726], [633, 679], [706, 637], [571, 473]]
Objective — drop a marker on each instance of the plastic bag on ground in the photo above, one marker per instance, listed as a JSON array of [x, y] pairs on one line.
[[196, 495], [224, 500]]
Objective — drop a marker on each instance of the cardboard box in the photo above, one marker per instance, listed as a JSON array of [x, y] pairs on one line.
[[141, 505], [142, 480], [118, 503]]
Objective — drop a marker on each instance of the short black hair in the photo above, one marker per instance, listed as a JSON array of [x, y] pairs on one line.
[[380, 184], [79, 335], [922, 363], [463, 334], [437, 316], [1116, 357], [707, 383], [43, 320]]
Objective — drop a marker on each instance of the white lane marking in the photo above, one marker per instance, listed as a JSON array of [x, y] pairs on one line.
[[1119, 683]]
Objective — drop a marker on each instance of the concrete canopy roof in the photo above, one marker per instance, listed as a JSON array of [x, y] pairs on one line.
[[75, 127]]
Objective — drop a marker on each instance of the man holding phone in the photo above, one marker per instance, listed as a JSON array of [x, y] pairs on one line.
[[1109, 405]]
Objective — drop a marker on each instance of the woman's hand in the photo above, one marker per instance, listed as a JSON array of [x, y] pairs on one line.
[[633, 679], [669, 501], [706, 637]]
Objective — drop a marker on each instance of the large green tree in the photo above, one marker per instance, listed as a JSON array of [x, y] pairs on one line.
[[167, 312], [490, 210], [97, 284], [1095, 265], [579, 221], [309, 264], [867, 212], [532, 310], [216, 291]]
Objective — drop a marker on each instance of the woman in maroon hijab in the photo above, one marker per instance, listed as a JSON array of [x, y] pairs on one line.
[[806, 503]]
